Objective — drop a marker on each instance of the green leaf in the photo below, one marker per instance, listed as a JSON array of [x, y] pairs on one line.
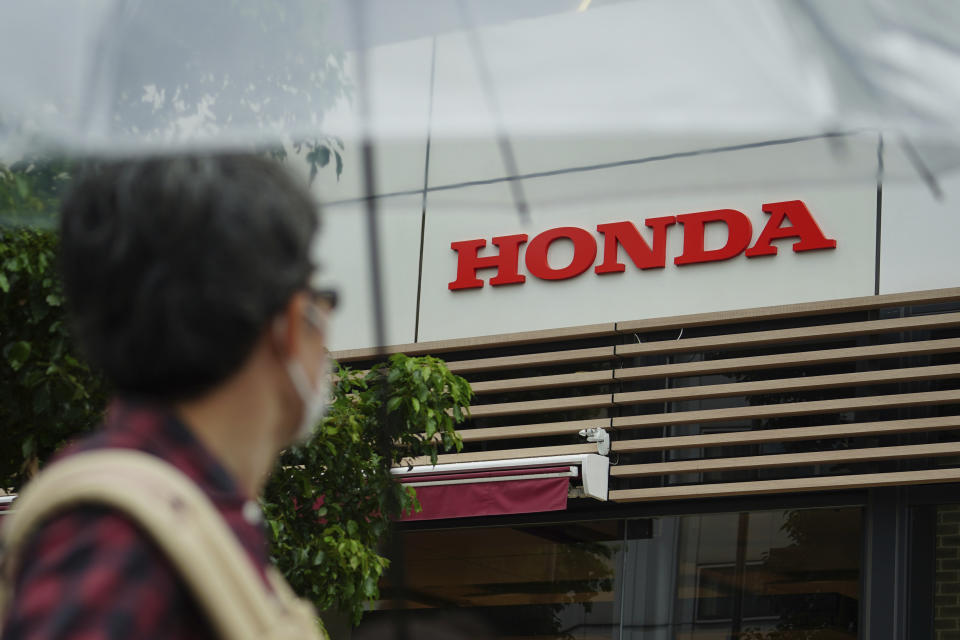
[[323, 155], [416, 405], [393, 403], [4, 283], [53, 300], [17, 354]]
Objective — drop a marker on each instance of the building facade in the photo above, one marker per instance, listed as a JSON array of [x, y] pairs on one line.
[[758, 335], [772, 357], [778, 472]]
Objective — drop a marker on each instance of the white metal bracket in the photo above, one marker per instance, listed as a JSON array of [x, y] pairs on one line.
[[600, 436]]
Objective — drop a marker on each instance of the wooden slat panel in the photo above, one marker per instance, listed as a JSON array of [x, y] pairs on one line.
[[545, 429], [716, 391], [481, 342], [571, 356], [531, 430], [664, 323], [872, 454], [536, 383], [541, 406], [787, 409], [726, 365], [825, 356], [506, 454], [862, 303], [806, 383], [799, 334], [788, 434], [722, 365], [828, 483]]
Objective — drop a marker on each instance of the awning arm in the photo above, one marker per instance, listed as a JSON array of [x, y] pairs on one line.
[[595, 469]]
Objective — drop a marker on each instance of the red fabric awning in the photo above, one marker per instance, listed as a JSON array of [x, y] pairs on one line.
[[487, 493]]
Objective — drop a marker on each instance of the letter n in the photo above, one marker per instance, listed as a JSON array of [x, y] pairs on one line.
[[802, 226], [506, 262], [626, 235]]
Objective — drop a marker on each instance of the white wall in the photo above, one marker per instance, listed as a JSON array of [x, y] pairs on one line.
[[609, 170], [841, 194], [837, 184], [920, 233]]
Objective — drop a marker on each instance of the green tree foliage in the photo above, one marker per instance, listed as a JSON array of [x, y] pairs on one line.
[[30, 190], [330, 502], [48, 395]]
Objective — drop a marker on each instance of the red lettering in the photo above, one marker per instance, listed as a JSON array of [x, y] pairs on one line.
[[506, 262], [739, 232], [802, 225], [626, 235], [788, 219], [584, 253]]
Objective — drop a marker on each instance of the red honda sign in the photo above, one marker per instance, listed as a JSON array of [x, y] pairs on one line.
[[790, 219]]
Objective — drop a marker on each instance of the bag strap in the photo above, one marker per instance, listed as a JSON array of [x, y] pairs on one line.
[[182, 521]]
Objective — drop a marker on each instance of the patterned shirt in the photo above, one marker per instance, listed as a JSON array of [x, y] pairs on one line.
[[91, 574]]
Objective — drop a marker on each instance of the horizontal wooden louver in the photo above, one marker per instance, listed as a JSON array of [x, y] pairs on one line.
[[786, 460], [824, 396], [802, 334]]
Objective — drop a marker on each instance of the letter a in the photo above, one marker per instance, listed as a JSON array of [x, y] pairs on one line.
[[802, 225], [505, 262]]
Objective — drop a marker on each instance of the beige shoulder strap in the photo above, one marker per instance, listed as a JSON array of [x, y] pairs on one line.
[[183, 522]]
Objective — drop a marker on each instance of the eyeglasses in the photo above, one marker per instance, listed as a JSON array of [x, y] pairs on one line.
[[328, 297], [325, 299]]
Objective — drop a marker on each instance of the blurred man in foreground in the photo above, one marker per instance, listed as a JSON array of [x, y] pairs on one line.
[[190, 285]]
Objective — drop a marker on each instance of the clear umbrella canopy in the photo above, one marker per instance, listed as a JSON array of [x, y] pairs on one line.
[[115, 76], [504, 92], [497, 92]]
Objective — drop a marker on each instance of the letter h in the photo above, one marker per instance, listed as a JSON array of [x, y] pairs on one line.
[[506, 262]]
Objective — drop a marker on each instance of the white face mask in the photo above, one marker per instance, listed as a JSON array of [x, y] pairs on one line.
[[315, 398]]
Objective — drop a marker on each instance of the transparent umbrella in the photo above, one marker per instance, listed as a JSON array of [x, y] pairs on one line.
[[112, 75], [329, 83], [332, 80]]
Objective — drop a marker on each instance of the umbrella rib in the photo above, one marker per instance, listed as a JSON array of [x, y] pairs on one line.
[[493, 104], [105, 61], [369, 178], [596, 167], [921, 167]]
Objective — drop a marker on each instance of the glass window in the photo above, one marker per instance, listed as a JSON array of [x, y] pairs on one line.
[[760, 575]]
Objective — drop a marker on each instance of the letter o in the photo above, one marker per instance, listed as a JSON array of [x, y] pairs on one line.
[[584, 253]]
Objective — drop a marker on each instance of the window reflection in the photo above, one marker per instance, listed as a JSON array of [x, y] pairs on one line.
[[761, 575]]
